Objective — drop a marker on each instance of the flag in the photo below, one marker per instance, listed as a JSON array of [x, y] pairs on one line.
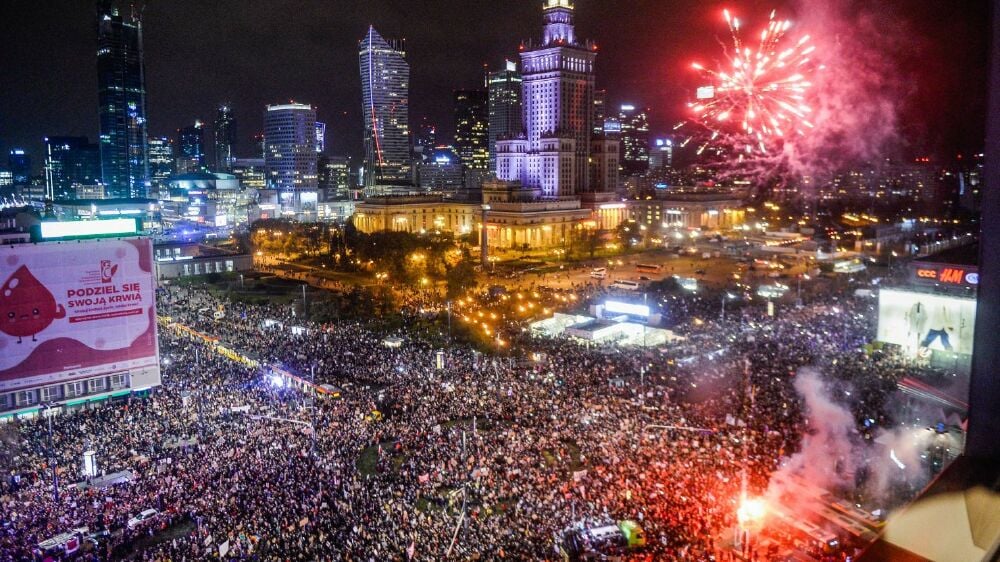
[[410, 550]]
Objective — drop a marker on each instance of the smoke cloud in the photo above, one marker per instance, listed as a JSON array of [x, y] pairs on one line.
[[833, 454], [825, 460], [857, 90]]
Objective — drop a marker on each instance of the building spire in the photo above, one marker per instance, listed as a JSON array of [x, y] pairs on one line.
[[558, 17]]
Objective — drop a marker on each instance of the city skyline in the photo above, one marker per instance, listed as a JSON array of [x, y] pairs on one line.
[[442, 61]]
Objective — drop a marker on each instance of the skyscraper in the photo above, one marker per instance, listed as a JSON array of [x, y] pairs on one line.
[[635, 139], [19, 164], [70, 162], [505, 107], [290, 147], [225, 138], [385, 91], [557, 95], [320, 137], [472, 130], [661, 154], [600, 111], [426, 136], [251, 173], [258, 145], [191, 148], [335, 177], [122, 102], [161, 160]]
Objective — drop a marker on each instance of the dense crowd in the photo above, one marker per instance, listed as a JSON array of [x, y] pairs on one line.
[[487, 458]]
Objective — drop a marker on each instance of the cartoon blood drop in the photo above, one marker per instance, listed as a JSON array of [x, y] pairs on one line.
[[26, 306]]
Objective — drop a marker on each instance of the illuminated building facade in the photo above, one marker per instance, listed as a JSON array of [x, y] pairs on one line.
[[251, 173], [385, 91], [441, 171], [161, 160], [472, 129], [290, 156], [19, 166], [225, 138], [190, 148], [122, 102], [335, 177], [505, 122], [290, 146], [684, 211], [320, 137], [70, 162], [212, 199], [661, 154], [554, 154], [634, 139], [600, 111], [416, 214]]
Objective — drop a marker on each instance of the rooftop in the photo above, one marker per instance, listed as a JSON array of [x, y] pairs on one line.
[[963, 255]]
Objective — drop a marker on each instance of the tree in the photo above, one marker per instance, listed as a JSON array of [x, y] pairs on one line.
[[626, 232], [592, 239], [461, 278]]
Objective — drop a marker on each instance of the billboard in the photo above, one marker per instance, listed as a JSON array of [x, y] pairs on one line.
[[626, 308], [76, 310], [925, 322], [944, 274]]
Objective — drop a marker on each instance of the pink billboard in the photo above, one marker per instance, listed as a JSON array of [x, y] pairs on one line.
[[76, 310]]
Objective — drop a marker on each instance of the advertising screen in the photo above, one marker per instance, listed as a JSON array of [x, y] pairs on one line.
[[922, 322], [76, 310], [626, 308]]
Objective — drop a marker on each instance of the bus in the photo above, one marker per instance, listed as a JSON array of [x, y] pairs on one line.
[[625, 285], [599, 272], [648, 268]]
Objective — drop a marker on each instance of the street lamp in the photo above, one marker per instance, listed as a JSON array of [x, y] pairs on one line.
[[449, 322], [53, 462]]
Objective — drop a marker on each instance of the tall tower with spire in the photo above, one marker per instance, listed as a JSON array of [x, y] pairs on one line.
[[122, 102], [558, 115], [385, 92]]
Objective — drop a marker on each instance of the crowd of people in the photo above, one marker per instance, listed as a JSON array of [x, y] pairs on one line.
[[482, 458]]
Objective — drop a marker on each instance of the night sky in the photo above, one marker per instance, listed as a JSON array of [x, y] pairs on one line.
[[255, 52]]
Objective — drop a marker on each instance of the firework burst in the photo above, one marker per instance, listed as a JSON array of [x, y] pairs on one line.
[[756, 101]]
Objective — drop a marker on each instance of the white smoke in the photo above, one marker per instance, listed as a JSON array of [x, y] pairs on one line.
[[825, 459], [832, 452]]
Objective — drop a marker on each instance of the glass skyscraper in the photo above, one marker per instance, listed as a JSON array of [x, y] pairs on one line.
[[472, 129], [70, 162], [161, 160], [225, 138], [19, 165], [122, 102], [504, 106], [320, 137], [290, 147], [191, 148], [385, 91], [635, 139]]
